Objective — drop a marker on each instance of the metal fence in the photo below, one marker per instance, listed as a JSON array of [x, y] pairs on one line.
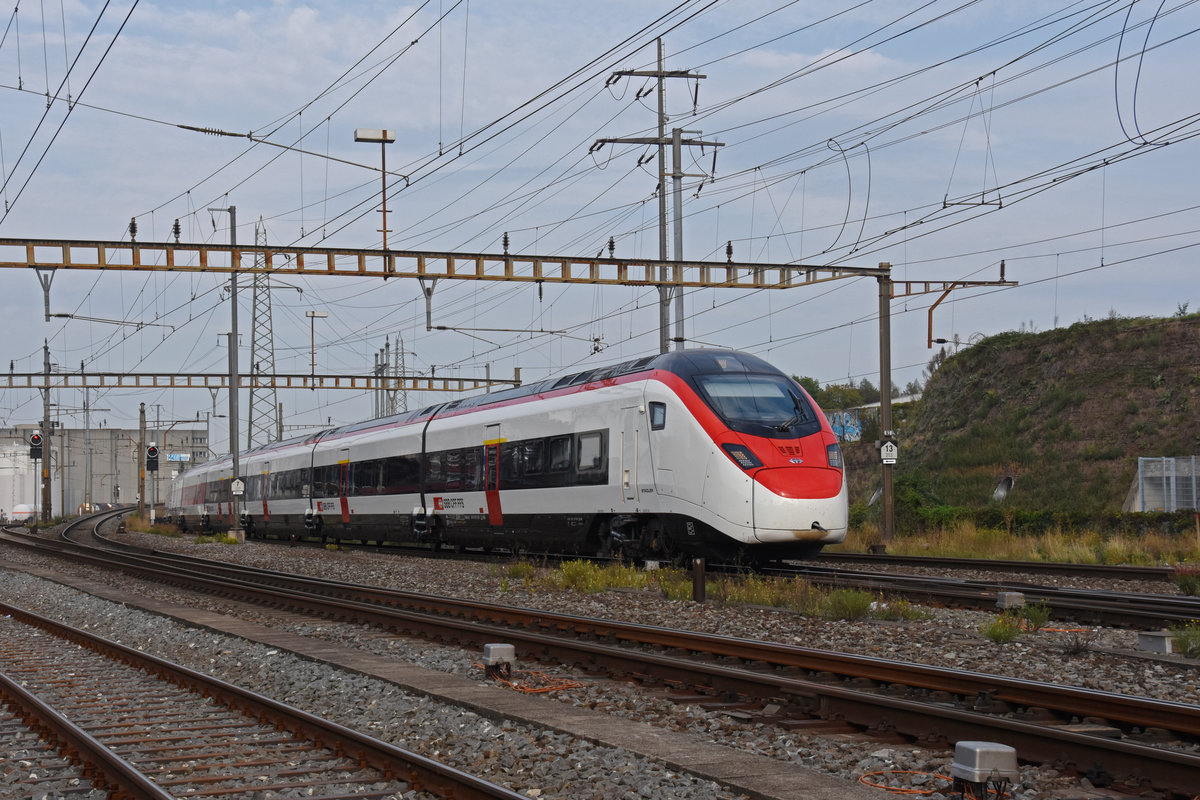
[[1168, 484]]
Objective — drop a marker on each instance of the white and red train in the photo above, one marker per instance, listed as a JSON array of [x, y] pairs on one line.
[[698, 452]]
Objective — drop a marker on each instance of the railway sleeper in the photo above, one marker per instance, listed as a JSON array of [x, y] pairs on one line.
[[987, 703]]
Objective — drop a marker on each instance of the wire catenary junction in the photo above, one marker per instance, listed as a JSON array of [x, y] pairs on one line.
[[48, 256]]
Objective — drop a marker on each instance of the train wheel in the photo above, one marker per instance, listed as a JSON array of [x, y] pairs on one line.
[[604, 548], [615, 535], [667, 551]]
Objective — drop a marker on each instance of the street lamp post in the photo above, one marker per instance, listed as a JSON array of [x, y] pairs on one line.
[[313, 316], [384, 137]]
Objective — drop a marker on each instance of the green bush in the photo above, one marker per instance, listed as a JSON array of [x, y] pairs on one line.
[[579, 576], [848, 604], [1188, 580], [1186, 639], [215, 540], [1035, 616], [1003, 629], [589, 577], [899, 609], [757, 590], [521, 571], [675, 584]]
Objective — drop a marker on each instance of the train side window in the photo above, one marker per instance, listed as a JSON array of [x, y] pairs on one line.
[[560, 454], [433, 469], [591, 451], [399, 474], [658, 416], [472, 468], [533, 457]]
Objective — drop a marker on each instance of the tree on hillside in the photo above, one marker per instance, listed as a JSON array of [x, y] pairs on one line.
[[812, 387], [936, 361], [868, 391], [841, 395]]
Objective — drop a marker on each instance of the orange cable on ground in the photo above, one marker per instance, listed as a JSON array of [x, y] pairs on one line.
[[547, 682], [902, 790]]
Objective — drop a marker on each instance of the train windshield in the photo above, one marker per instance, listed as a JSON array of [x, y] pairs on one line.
[[763, 405]]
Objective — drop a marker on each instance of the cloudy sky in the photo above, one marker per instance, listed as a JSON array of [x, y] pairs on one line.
[[940, 137]]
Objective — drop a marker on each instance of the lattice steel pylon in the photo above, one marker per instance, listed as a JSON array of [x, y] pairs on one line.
[[262, 425], [395, 400], [401, 401]]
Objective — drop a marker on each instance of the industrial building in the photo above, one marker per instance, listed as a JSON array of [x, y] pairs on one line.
[[93, 465]]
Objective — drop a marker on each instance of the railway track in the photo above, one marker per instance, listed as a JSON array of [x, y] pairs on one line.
[[147, 729], [1129, 737], [1111, 571], [1121, 609]]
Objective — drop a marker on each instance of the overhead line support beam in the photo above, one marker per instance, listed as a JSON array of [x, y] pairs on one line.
[[147, 380], [46, 254]]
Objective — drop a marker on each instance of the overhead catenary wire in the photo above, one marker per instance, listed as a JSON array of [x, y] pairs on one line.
[[10, 202], [624, 210]]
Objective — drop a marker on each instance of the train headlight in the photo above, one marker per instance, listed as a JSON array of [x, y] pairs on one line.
[[744, 457], [834, 453]]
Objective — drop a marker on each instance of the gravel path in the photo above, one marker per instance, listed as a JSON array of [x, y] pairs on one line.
[[546, 764]]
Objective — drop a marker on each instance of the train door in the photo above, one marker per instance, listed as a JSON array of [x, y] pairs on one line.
[[630, 434], [663, 451], [491, 473], [344, 484]]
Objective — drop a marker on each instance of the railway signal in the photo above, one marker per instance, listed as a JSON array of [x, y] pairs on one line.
[[152, 459], [35, 446]]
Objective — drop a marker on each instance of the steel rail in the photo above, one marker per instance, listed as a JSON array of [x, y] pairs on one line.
[[443, 618], [1119, 572], [1126, 709], [1116, 608], [110, 770], [395, 761]]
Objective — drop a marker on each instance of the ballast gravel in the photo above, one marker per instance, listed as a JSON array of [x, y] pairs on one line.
[[544, 763]]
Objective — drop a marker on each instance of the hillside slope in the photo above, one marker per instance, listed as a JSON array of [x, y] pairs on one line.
[[1066, 413]]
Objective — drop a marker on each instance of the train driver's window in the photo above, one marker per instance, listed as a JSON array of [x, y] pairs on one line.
[[658, 416]]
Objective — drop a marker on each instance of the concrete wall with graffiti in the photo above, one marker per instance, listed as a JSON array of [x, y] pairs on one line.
[[846, 425]]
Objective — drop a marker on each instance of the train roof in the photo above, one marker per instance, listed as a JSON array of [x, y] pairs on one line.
[[685, 363]]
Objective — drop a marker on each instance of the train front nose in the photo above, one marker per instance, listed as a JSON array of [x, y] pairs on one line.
[[800, 504]]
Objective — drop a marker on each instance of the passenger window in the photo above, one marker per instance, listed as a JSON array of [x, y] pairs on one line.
[[658, 416], [560, 454], [591, 451], [533, 458]]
